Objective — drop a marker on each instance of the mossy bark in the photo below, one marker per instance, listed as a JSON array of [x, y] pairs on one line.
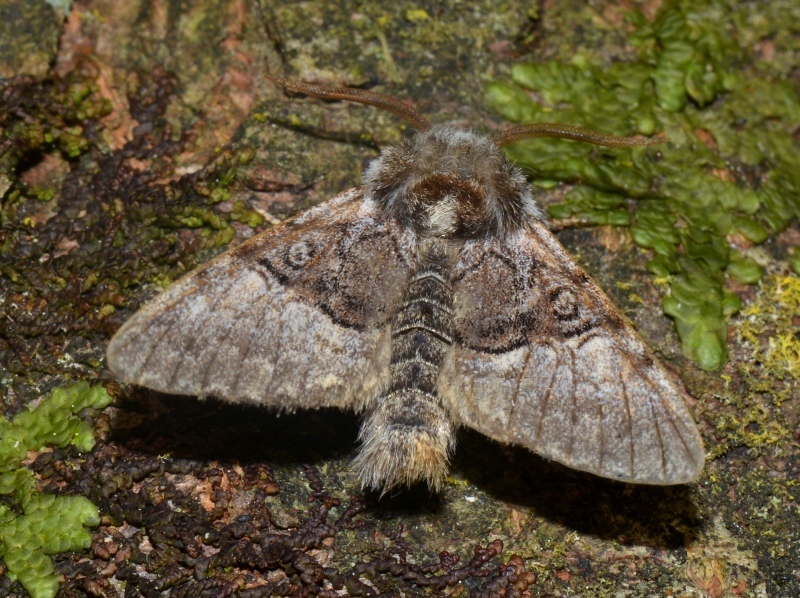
[[147, 140]]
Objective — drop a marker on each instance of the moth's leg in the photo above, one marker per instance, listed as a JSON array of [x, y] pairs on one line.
[[408, 434]]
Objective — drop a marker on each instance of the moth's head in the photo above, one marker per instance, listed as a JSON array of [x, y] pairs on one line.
[[450, 183]]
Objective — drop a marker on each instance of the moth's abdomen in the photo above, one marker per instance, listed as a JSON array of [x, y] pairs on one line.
[[407, 436]]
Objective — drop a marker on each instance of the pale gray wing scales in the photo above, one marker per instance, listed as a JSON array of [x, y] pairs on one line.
[[543, 359], [296, 317]]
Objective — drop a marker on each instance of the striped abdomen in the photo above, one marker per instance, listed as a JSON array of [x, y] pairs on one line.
[[407, 435]]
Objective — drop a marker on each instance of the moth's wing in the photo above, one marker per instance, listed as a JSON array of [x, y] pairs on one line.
[[543, 359], [298, 316]]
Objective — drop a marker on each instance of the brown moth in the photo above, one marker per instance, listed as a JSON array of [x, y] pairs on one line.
[[432, 296]]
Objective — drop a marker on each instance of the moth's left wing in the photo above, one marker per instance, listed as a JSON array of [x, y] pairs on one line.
[[298, 316], [543, 359]]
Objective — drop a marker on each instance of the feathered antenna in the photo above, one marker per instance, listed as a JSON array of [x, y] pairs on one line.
[[361, 96], [421, 124], [560, 131]]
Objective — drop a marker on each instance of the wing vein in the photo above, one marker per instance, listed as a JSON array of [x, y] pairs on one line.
[[626, 399], [152, 349], [278, 350], [678, 432], [660, 442], [670, 413], [193, 339], [221, 340], [547, 394], [573, 410], [246, 353], [515, 397], [601, 430]]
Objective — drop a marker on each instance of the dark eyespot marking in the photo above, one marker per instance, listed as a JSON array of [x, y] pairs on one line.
[[564, 304], [267, 264], [579, 330], [300, 254]]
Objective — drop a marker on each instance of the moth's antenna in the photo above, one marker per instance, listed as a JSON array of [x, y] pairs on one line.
[[361, 96], [569, 132]]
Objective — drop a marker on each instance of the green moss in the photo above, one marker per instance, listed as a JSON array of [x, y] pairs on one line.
[[592, 205], [251, 218], [44, 194], [744, 269], [794, 259], [44, 524], [730, 165]]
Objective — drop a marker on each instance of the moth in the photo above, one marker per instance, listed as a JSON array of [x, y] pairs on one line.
[[432, 296]]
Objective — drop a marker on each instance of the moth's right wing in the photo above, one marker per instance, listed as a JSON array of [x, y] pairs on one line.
[[543, 359], [297, 317]]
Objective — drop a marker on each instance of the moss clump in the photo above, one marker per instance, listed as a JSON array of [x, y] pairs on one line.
[[730, 166], [795, 260], [241, 213], [57, 123], [37, 524]]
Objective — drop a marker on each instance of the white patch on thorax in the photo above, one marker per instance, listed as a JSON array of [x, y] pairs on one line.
[[442, 216]]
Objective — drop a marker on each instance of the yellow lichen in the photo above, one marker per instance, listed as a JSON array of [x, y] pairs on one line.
[[767, 325], [784, 354], [769, 369], [636, 299]]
